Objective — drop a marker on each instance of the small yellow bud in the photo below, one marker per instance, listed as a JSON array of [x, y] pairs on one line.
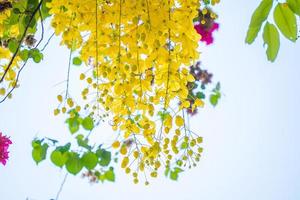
[[56, 112], [125, 162], [82, 76], [179, 121], [2, 91], [199, 103], [123, 150], [116, 144], [153, 174], [59, 98]]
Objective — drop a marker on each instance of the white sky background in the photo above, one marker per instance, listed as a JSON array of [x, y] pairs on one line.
[[251, 149]]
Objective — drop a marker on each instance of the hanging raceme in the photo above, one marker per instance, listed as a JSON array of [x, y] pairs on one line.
[[137, 56], [143, 51]]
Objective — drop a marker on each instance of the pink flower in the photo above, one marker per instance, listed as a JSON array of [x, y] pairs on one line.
[[206, 32], [4, 144]]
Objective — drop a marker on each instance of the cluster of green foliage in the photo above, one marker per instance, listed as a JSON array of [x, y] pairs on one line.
[[94, 158], [26, 14], [285, 17]]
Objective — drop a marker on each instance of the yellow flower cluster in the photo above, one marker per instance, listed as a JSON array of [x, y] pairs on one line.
[[138, 52]]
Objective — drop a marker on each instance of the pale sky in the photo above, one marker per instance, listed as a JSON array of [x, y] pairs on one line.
[[251, 149]]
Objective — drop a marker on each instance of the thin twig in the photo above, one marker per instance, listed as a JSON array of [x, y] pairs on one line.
[[68, 76], [61, 186], [48, 41]]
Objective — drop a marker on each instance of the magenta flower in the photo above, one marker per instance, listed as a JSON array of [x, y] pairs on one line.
[[206, 33], [4, 144]]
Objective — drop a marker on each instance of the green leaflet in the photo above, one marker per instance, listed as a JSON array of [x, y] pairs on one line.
[[105, 157], [36, 55], [294, 6], [13, 45], [39, 151], [74, 164], [77, 61], [60, 155], [259, 16], [83, 142], [64, 148], [44, 9], [216, 95], [173, 174], [271, 39], [24, 54], [89, 160], [110, 175], [286, 21], [58, 158], [88, 123]]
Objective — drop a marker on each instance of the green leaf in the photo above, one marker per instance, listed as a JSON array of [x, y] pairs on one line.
[[110, 175], [45, 10], [259, 16], [88, 123], [286, 21], [174, 173], [178, 170], [32, 4], [16, 11], [271, 39], [58, 158], [163, 115], [214, 98], [294, 6], [32, 22], [105, 157], [64, 148], [12, 45], [73, 124], [101, 177], [39, 151], [89, 160], [36, 55], [77, 61], [13, 19], [167, 171], [83, 142], [74, 165], [24, 54], [174, 176], [21, 6], [200, 95]]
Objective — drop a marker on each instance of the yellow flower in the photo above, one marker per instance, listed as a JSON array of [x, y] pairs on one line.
[[179, 121]]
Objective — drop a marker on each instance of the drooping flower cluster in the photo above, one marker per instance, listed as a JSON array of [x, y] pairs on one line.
[[205, 25], [139, 53], [4, 145]]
